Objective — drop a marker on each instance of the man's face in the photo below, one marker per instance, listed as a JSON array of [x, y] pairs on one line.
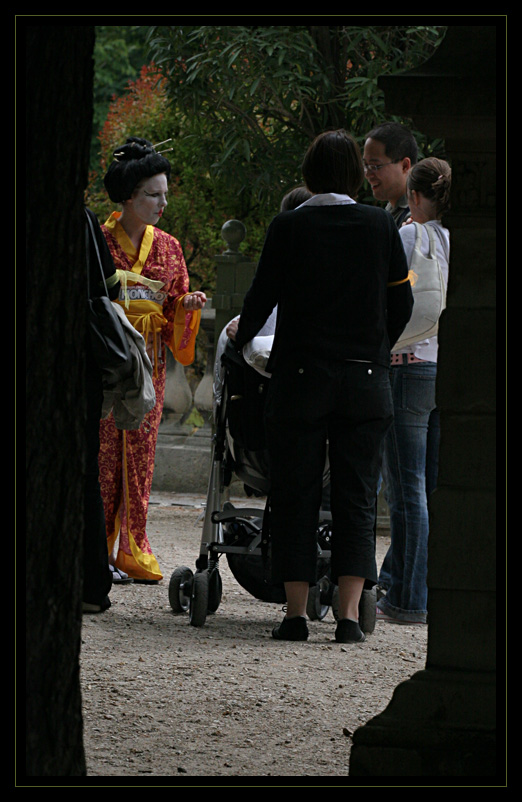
[[388, 183]]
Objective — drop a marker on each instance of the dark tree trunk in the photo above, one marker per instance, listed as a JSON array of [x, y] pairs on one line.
[[59, 75], [331, 44]]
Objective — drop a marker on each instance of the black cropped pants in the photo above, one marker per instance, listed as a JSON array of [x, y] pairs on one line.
[[97, 576], [341, 410]]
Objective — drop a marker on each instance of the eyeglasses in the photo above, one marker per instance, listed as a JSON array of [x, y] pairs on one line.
[[373, 168]]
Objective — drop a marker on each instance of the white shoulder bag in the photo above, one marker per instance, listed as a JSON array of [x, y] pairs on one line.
[[429, 292]]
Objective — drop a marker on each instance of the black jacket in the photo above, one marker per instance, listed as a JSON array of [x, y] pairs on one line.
[[337, 274]]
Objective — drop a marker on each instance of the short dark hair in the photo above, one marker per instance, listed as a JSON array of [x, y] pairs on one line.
[[398, 141], [295, 198], [333, 163], [133, 162]]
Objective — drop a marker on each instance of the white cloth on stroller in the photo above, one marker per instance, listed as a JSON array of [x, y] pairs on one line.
[[257, 352], [255, 349]]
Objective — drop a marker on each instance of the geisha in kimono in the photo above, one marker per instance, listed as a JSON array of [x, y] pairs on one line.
[[156, 299]]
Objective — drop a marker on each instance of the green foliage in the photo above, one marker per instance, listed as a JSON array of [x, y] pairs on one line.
[[258, 95], [198, 207], [241, 104], [119, 53]]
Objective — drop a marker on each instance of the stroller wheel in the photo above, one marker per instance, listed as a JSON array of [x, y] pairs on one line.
[[215, 590], [179, 589], [315, 608], [199, 599], [367, 612]]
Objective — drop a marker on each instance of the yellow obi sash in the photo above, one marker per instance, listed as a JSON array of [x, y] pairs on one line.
[[146, 317], [123, 276]]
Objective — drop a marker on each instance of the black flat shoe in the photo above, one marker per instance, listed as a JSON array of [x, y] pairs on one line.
[[349, 631], [87, 607], [291, 629]]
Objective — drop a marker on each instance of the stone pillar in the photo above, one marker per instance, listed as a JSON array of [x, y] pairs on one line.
[[183, 452], [178, 395], [441, 722], [233, 277], [204, 395]]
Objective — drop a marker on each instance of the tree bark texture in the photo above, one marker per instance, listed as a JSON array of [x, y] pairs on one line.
[[58, 99]]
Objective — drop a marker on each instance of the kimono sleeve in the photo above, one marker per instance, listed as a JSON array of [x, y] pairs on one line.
[[181, 327]]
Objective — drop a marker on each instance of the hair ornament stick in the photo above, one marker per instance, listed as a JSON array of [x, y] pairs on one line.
[[162, 143], [133, 161]]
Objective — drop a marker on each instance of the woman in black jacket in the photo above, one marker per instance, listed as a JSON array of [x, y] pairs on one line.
[[337, 272]]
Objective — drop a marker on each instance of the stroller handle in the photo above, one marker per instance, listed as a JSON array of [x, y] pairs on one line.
[[236, 514]]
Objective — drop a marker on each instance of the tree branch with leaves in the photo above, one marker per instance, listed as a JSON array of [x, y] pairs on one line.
[[265, 92]]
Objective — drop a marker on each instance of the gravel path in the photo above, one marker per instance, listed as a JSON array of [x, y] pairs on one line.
[[166, 699]]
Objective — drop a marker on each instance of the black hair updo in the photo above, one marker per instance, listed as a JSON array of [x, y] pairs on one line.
[[134, 161]]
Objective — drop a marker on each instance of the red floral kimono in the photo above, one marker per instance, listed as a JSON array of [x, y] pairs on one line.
[[126, 460]]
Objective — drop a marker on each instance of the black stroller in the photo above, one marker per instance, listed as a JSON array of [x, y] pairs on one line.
[[241, 533]]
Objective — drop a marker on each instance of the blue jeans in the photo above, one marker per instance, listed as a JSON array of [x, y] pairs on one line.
[[410, 473]]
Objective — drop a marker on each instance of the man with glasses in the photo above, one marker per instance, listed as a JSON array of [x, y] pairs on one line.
[[390, 150]]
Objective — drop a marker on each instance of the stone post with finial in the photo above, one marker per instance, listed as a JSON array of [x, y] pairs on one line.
[[233, 277]]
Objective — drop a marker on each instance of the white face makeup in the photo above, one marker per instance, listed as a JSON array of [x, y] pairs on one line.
[[149, 199]]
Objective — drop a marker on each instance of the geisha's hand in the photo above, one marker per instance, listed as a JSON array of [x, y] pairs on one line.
[[195, 300]]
